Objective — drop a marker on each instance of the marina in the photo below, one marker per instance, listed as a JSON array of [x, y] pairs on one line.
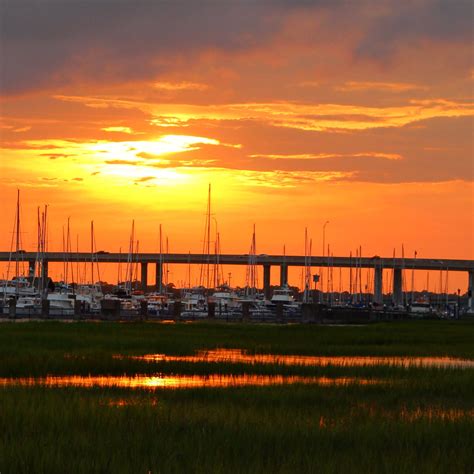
[[32, 293], [22, 296]]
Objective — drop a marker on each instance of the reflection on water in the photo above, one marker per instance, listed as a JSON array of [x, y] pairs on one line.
[[179, 381], [239, 356]]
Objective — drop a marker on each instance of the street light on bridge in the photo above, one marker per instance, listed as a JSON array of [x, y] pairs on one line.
[[324, 252]]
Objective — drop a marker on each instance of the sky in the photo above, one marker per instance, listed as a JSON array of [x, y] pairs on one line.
[[359, 113]]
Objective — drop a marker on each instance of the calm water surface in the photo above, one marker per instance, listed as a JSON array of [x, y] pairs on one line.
[[179, 381], [164, 381], [242, 357]]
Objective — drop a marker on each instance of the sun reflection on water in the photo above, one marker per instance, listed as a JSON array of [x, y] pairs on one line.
[[179, 381], [239, 356]]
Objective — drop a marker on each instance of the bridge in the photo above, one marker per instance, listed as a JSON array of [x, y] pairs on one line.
[[398, 265]]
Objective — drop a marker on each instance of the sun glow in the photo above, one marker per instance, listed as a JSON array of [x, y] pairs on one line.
[[166, 144], [143, 161], [141, 174]]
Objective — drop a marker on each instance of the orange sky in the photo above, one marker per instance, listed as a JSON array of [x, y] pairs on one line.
[[297, 112]]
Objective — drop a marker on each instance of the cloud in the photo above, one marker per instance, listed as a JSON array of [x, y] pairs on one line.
[[309, 156], [55, 156], [398, 24], [180, 86], [284, 179], [351, 86], [303, 116], [52, 43], [168, 122], [122, 162], [309, 84], [118, 129]]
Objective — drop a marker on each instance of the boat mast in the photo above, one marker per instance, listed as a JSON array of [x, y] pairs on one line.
[[252, 270], [404, 296], [64, 259], [130, 258], [119, 273], [307, 270], [216, 263], [135, 265], [189, 269], [350, 276], [446, 288], [166, 265], [254, 261], [329, 272], [205, 273], [92, 253], [69, 250], [44, 245], [208, 242], [161, 261], [17, 246]]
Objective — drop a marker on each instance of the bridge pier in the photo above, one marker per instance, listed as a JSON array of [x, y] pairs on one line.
[[159, 276], [378, 285], [44, 273], [397, 286], [470, 292], [144, 275], [283, 274], [266, 279]]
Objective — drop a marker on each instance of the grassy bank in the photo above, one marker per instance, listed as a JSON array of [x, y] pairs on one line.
[[450, 338]]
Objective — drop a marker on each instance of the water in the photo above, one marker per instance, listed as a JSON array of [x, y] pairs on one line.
[[178, 381], [241, 357], [237, 356]]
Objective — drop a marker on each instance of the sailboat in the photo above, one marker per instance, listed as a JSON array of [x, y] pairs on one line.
[[19, 286]]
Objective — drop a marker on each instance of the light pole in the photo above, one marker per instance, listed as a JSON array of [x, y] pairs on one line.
[[324, 252]]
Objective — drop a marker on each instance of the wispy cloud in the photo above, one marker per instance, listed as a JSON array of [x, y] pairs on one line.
[[352, 86], [180, 86], [297, 115], [144, 179], [308, 84], [169, 122], [287, 179], [118, 129], [311, 156]]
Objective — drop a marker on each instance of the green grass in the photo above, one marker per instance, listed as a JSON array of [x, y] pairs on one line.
[[292, 429], [284, 429], [452, 338]]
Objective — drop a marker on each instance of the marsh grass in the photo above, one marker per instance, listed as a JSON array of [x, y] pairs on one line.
[[395, 427], [416, 338], [277, 429]]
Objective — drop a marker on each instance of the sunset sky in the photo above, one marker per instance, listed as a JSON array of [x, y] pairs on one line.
[[297, 112]]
